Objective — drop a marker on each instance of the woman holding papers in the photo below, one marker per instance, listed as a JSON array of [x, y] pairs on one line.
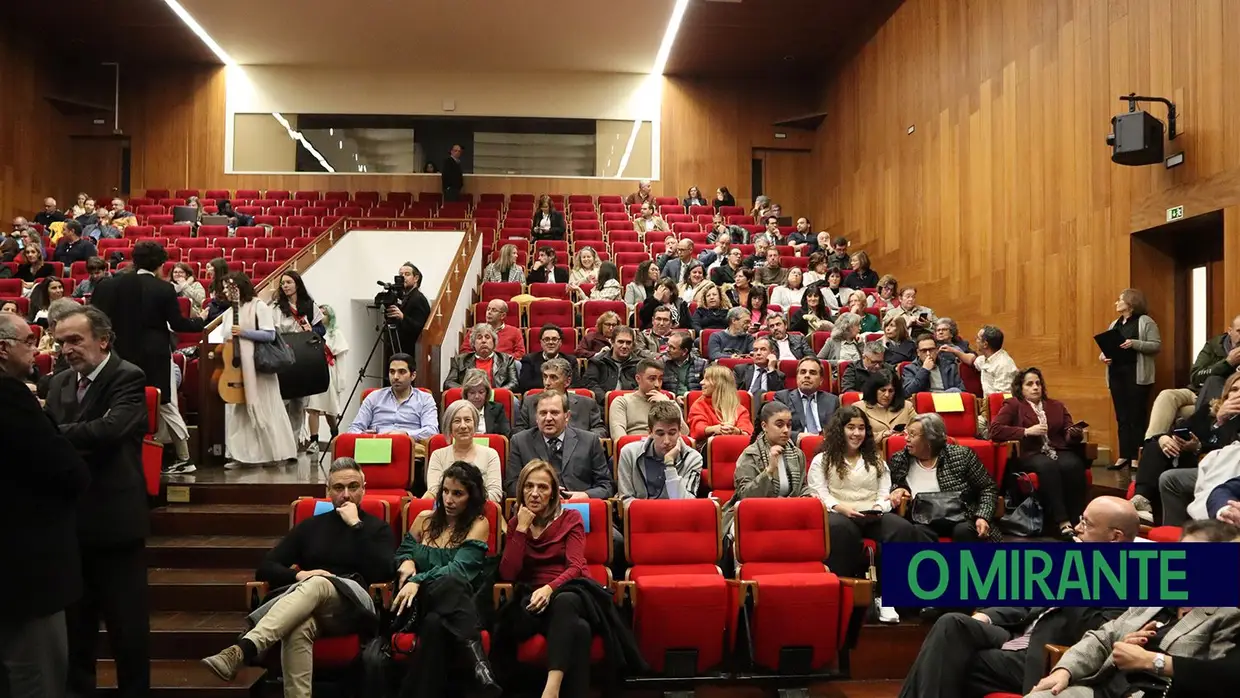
[[1130, 371], [1047, 438]]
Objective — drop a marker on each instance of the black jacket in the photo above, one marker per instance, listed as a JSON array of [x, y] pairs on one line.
[[744, 379], [861, 279], [530, 376], [497, 419], [645, 313], [452, 175], [603, 372], [556, 232], [44, 478], [107, 429], [417, 312], [710, 318], [1206, 678], [1060, 626], [539, 276], [324, 542], [142, 307]]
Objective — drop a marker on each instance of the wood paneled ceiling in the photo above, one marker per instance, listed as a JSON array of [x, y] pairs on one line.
[[780, 40], [93, 31]]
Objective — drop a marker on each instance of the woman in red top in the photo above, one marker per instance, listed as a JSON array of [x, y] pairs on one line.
[[719, 410], [545, 549], [1047, 436]]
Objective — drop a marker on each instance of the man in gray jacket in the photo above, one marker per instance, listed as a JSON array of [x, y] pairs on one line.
[[584, 412], [660, 466]]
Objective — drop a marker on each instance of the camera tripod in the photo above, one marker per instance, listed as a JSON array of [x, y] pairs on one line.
[[383, 331]]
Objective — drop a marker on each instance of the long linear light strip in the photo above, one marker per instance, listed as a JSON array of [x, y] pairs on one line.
[[297, 136], [220, 53], [656, 72]]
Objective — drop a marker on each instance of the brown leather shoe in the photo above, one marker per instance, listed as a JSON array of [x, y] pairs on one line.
[[227, 663]]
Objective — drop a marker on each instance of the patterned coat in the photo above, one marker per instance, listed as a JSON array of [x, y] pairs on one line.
[[959, 470], [752, 480]]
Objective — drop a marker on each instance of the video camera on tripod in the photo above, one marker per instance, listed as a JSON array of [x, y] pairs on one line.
[[393, 294]]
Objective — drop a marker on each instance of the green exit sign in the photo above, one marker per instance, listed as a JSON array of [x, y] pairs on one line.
[[1175, 213]]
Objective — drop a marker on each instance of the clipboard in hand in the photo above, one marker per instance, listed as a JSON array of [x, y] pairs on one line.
[[1109, 342]]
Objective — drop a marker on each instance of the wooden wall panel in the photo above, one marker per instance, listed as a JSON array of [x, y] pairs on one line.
[[1003, 206], [34, 142]]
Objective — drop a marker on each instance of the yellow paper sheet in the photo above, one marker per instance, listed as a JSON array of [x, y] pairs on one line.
[[948, 402]]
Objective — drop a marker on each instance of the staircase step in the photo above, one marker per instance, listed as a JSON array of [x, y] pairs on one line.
[[199, 590], [220, 520], [177, 635], [278, 493], [185, 678], [236, 552], [887, 651]]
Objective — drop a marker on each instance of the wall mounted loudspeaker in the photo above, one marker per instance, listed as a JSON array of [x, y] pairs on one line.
[[1136, 139]]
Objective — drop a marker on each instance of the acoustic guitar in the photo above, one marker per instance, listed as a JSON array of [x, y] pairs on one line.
[[231, 383]]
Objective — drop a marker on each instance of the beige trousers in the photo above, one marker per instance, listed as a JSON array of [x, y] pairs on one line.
[[311, 609], [1167, 407]]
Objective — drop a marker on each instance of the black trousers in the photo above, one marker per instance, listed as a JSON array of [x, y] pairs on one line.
[[847, 557], [448, 620], [1152, 465], [1132, 409], [961, 658], [963, 532], [451, 193], [115, 590], [568, 644], [1062, 488]]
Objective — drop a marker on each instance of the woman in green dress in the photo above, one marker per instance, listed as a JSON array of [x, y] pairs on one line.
[[441, 566]]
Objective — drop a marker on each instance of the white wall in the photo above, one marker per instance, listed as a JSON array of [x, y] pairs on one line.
[[345, 277]]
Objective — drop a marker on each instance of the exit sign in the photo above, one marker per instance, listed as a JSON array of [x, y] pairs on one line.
[[1175, 213]]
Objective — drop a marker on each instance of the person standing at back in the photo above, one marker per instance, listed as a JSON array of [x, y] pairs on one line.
[[44, 477], [142, 307], [452, 175], [100, 406]]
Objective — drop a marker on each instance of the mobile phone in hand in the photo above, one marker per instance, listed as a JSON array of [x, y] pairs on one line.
[[1182, 433], [1080, 425]]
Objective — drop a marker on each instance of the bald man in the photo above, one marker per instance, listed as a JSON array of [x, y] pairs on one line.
[[1000, 650], [50, 214], [510, 339]]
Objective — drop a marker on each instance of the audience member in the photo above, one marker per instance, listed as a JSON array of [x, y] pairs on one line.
[[629, 413], [947, 333], [788, 347], [608, 287], [33, 268], [713, 308], [885, 295], [669, 251], [236, 219], [772, 465], [694, 277], [803, 238], [576, 455], [505, 268], [143, 308], [185, 285], [548, 222], [694, 198], [100, 406], [641, 196], [215, 272], [728, 267], [1171, 459], [441, 568], [451, 175], [642, 285], [772, 273], [719, 410], [500, 368], [121, 217], [761, 207], [399, 408], [834, 291], [80, 206], [813, 315], [648, 222], [919, 319], [855, 303], [1218, 359], [584, 412], [929, 465], [863, 276], [1047, 439], [551, 339], [899, 348], [545, 269], [585, 267], [45, 479], [850, 478], [492, 415], [613, 368], [42, 296], [933, 371], [1001, 650], [72, 246], [811, 406], [319, 573], [675, 269], [723, 197], [845, 343], [1182, 633], [601, 337], [883, 403], [816, 269], [719, 226], [762, 375], [790, 291], [858, 373], [839, 257], [734, 342], [652, 343], [1130, 373], [682, 369], [509, 339], [666, 295], [460, 425], [50, 214], [660, 466], [742, 287], [991, 361]]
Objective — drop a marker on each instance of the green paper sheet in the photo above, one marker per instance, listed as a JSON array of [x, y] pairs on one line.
[[372, 451]]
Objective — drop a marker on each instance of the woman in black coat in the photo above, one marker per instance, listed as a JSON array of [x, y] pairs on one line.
[[723, 197], [548, 222], [694, 198], [665, 293], [862, 275], [712, 310]]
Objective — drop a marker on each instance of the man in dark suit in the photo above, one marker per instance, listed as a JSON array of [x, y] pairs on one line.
[[583, 412], [43, 477], [452, 176], [545, 271], [761, 376], [551, 339], [142, 307], [412, 313], [577, 455], [100, 407], [811, 407], [1000, 650]]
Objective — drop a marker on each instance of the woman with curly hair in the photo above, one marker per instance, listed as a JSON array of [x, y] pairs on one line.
[[441, 567], [850, 478], [585, 267]]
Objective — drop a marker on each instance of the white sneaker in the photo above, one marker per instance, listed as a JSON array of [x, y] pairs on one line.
[[313, 448], [1145, 510], [886, 614]]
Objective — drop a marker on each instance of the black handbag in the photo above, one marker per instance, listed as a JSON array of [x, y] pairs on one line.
[[1025, 520], [307, 374], [273, 356], [938, 508]]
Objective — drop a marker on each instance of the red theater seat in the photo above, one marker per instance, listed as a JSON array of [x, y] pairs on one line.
[[800, 610], [719, 474], [683, 608], [389, 481], [552, 312]]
